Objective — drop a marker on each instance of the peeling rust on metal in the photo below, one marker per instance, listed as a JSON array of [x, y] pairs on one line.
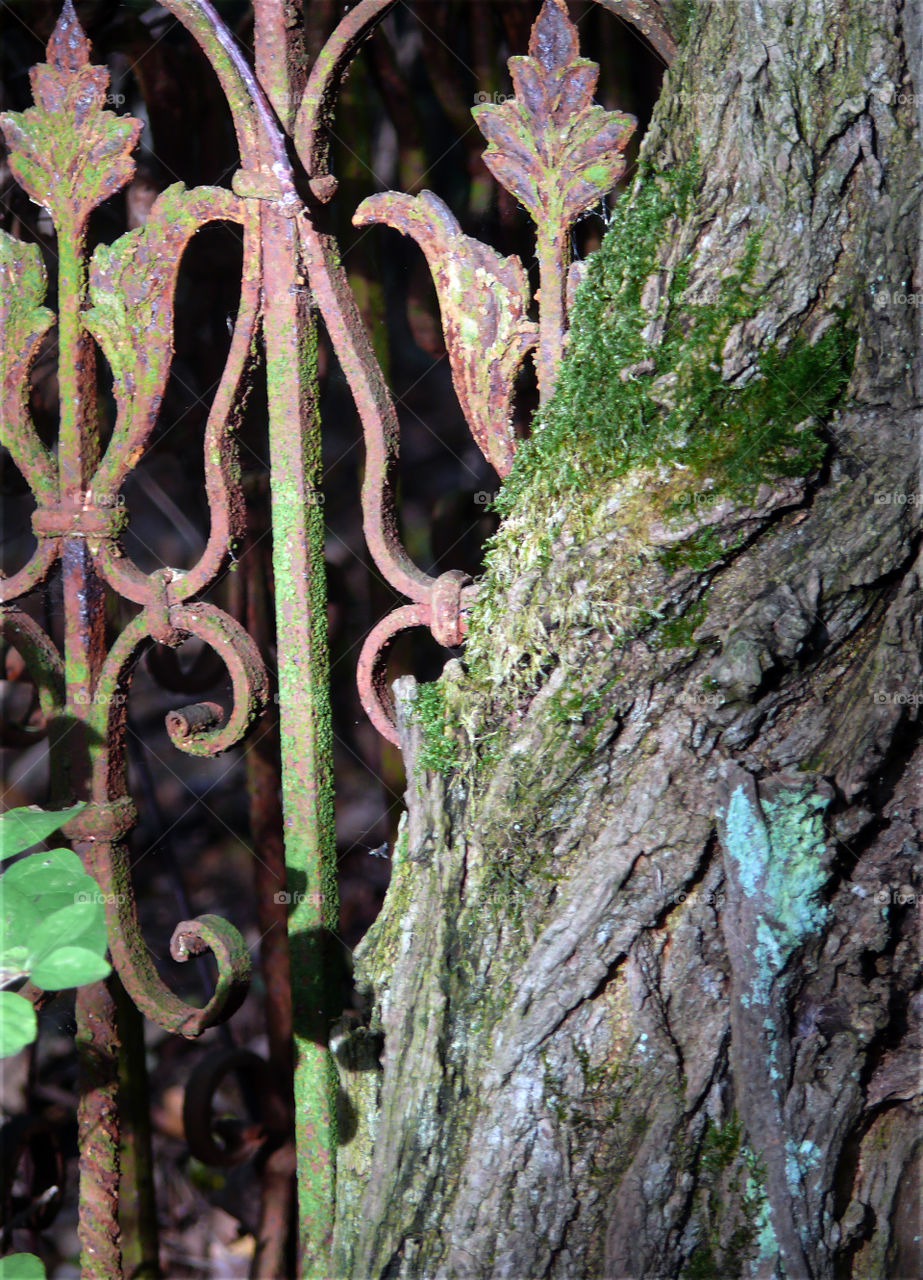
[[186, 722], [484, 299]]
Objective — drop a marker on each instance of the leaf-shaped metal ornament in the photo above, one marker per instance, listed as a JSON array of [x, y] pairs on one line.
[[132, 284], [23, 323], [67, 151], [483, 298], [557, 152]]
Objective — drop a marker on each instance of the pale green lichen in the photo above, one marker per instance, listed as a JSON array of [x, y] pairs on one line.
[[800, 1160], [778, 850], [767, 1246]]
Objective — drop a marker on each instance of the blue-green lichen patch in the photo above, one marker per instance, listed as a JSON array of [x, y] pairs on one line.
[[778, 850]]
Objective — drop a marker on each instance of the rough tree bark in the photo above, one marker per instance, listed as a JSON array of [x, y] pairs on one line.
[[644, 995]]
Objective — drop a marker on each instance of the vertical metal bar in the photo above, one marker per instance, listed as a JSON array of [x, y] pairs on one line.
[[137, 1203], [98, 1133], [304, 720], [303, 661], [552, 250], [78, 455], [84, 651], [269, 877], [78, 445]]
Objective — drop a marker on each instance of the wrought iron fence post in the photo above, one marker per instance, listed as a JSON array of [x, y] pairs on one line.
[[70, 154], [290, 338], [304, 715]]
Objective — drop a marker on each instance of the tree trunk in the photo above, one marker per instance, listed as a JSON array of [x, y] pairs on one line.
[[644, 994]]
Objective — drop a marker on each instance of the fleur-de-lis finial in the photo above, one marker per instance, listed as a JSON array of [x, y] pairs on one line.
[[559, 153], [67, 151]]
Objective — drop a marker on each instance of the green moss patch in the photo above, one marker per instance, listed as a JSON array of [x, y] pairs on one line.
[[646, 421], [439, 751], [731, 1204], [642, 380]]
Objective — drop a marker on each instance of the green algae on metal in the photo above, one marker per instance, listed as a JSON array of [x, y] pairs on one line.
[[132, 284], [305, 730], [68, 151], [23, 323]]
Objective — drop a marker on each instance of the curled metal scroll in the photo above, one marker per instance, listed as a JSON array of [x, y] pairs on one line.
[[558, 153], [224, 1142], [484, 354]]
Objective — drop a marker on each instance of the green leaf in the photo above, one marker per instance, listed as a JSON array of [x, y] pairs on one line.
[[81, 923], [68, 967], [22, 1266], [18, 1027], [19, 918], [22, 828], [63, 862], [51, 880], [13, 962]]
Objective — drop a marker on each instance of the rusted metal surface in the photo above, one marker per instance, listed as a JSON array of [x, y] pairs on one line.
[[137, 1196], [267, 186], [484, 300], [648, 18], [557, 153], [304, 719], [269, 880], [316, 109], [70, 154], [98, 1132], [225, 1142]]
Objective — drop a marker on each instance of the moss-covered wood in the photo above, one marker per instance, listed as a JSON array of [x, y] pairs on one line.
[[643, 998]]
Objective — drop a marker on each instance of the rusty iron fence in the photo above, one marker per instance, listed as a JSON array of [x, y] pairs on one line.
[[557, 153]]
